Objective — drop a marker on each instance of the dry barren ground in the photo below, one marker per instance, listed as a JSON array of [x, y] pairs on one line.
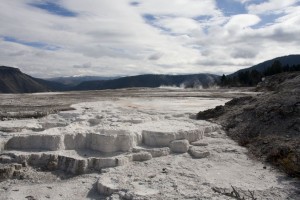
[[128, 144]]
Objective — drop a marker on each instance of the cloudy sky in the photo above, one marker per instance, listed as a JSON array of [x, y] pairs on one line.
[[49, 38]]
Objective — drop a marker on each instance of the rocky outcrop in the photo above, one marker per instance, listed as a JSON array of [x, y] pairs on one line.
[[268, 123]]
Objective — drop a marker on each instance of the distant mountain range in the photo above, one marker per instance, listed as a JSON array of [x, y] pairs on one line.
[[152, 80], [12, 80]]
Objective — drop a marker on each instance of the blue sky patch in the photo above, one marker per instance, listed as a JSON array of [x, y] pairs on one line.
[[267, 20], [54, 8], [39, 45], [230, 7], [151, 19]]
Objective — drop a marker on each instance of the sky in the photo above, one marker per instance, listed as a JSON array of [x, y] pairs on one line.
[[53, 38]]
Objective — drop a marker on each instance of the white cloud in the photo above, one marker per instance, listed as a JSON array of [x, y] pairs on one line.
[[270, 6], [83, 66], [242, 1], [109, 38], [155, 56], [242, 21], [179, 24], [182, 8]]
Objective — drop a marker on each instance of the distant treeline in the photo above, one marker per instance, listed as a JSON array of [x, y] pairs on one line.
[[253, 77]]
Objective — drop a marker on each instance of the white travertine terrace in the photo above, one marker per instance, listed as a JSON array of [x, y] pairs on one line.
[[116, 133]]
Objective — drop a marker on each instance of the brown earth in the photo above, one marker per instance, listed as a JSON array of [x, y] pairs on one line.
[[267, 123]]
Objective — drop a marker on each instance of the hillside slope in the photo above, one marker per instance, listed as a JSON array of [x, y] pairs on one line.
[[261, 67], [269, 123], [12, 80]]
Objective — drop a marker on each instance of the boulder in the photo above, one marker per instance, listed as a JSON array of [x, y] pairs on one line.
[[197, 152], [179, 146], [106, 186]]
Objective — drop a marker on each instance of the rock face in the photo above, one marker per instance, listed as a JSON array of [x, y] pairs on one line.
[[268, 124], [179, 146], [12, 170]]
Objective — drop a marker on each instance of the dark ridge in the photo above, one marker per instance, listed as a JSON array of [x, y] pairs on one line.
[[5, 69], [261, 67], [74, 81], [250, 77]]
